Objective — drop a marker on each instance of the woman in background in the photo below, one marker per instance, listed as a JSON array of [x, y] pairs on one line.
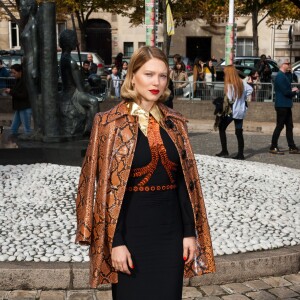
[[237, 91], [210, 76], [198, 77], [179, 78]]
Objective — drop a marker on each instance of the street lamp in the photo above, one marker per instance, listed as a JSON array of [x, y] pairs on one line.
[[290, 34]]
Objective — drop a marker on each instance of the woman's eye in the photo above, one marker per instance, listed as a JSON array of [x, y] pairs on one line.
[[163, 76]]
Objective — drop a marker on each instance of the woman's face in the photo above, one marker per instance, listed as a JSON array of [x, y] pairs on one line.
[[150, 81], [15, 73], [114, 70], [210, 63], [178, 66], [125, 66]]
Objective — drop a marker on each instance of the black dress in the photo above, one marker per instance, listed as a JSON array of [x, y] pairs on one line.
[[155, 216]]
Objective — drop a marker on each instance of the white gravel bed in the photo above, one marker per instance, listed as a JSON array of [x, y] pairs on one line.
[[251, 206]]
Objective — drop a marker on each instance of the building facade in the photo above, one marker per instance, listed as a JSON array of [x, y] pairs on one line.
[[109, 34]]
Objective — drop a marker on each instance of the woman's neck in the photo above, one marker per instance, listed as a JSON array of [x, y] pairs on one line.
[[144, 104]]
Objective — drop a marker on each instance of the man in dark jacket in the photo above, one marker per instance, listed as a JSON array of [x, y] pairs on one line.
[[20, 102], [284, 94]]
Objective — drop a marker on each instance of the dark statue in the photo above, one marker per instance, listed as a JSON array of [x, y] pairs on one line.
[[29, 41], [77, 107], [56, 116]]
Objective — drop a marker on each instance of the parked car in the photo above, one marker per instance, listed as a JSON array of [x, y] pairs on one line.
[[9, 60], [251, 61], [296, 69], [243, 71], [96, 59]]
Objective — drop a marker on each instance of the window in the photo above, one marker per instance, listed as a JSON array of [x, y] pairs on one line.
[[59, 28], [244, 47], [128, 48], [297, 38], [141, 44], [14, 39], [160, 45]]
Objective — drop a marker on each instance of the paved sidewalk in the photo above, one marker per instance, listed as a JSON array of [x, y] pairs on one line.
[[265, 288]]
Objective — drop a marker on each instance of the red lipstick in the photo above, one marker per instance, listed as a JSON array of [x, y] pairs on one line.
[[154, 92]]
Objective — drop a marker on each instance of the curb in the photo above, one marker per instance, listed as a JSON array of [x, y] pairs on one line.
[[230, 268]]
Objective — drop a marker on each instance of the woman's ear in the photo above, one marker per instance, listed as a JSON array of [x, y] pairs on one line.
[[133, 80]]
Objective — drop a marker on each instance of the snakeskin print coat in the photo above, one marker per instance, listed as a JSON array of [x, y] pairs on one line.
[[103, 180]]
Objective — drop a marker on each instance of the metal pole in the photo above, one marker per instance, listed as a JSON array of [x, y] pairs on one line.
[[77, 44], [156, 23], [230, 35], [150, 22]]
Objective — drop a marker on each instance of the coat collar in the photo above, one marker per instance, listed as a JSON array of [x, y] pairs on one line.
[[123, 109]]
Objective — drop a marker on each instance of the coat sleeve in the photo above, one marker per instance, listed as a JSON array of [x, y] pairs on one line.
[[284, 86], [86, 188]]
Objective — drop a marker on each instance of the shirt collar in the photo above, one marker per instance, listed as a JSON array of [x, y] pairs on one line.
[[143, 116]]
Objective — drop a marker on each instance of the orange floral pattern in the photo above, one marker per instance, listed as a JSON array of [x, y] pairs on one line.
[[158, 150]]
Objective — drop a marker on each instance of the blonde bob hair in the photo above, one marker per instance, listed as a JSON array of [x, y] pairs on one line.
[[138, 59]]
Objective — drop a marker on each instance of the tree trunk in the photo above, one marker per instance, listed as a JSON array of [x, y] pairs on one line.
[[255, 31], [82, 26]]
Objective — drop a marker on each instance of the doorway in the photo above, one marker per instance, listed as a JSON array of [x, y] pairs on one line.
[[98, 38], [198, 47]]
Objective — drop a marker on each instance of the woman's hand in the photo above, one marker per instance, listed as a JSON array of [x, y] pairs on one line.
[[189, 249], [121, 259]]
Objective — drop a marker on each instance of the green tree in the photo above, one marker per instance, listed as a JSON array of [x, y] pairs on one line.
[[275, 12]]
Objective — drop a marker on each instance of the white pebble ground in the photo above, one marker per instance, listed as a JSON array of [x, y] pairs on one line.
[[251, 206]]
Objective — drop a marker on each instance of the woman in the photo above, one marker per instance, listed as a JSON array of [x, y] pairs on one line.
[[210, 76], [198, 77], [237, 91], [124, 69], [148, 219], [20, 102], [115, 82], [179, 77], [253, 80]]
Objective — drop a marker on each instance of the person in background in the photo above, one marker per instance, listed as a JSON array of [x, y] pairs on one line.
[[264, 70], [253, 80], [198, 77], [20, 102], [139, 205], [119, 62], [179, 78], [291, 76], [124, 70], [237, 91], [176, 58], [114, 81], [210, 76], [284, 94], [85, 70], [169, 101], [3, 73], [93, 66]]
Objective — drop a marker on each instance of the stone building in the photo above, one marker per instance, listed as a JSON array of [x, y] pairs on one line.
[[108, 34]]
